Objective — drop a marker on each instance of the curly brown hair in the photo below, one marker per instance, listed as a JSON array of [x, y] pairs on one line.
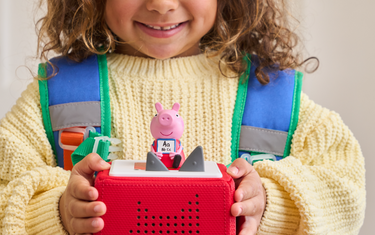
[[77, 29]]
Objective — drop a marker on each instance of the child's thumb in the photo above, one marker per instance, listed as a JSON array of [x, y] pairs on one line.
[[91, 163]]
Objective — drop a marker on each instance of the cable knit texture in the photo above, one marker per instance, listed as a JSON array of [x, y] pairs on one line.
[[324, 177], [319, 189], [206, 98]]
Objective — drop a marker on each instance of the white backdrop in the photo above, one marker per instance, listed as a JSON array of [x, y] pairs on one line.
[[17, 47], [340, 33]]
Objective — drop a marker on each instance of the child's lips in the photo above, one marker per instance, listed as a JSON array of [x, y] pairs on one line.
[[161, 33]]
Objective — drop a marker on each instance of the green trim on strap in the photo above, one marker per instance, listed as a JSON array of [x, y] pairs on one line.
[[295, 111], [44, 102], [239, 109], [104, 96]]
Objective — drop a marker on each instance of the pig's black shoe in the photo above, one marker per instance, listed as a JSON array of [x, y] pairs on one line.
[[176, 161]]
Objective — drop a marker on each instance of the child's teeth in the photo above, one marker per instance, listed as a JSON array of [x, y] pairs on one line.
[[162, 28]]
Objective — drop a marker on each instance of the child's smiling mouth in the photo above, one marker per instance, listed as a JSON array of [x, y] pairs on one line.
[[164, 27], [161, 30]]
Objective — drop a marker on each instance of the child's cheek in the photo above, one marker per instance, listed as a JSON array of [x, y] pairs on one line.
[[118, 13]]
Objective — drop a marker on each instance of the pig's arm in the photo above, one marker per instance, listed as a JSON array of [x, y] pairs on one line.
[[158, 154], [179, 150]]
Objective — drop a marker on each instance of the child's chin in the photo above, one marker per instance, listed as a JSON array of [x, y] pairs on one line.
[[162, 54]]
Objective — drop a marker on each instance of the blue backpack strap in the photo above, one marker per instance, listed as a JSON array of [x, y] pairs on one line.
[[270, 113], [78, 95]]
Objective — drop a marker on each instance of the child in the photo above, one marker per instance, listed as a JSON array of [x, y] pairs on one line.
[[156, 55]]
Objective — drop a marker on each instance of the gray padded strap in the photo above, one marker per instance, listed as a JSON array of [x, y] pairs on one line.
[[262, 140], [75, 114]]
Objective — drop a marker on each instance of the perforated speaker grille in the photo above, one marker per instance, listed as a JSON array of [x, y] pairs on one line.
[[183, 221], [167, 206]]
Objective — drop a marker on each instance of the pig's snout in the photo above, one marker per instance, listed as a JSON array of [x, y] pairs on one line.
[[165, 119]]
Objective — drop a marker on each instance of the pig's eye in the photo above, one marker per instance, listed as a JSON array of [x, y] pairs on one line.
[[156, 115], [177, 115]]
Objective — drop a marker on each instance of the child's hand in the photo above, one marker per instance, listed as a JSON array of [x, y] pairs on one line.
[[249, 197], [79, 212]]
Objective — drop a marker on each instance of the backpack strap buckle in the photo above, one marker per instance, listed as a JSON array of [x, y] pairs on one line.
[[74, 136], [258, 157], [113, 141]]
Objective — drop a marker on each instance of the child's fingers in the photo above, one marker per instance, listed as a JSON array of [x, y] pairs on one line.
[[89, 165], [89, 225], [249, 187], [251, 207], [81, 189], [75, 206], [245, 192], [83, 209], [239, 168], [249, 195]]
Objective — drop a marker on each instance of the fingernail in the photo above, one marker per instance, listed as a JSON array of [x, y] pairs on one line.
[[104, 163], [233, 169], [241, 197], [91, 194], [95, 223], [97, 208], [239, 213]]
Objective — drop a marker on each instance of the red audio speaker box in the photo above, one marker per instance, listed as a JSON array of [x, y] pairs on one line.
[[166, 203]]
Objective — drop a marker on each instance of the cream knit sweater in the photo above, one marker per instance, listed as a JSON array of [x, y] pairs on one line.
[[319, 189]]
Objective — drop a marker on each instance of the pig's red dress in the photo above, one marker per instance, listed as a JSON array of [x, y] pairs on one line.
[[168, 162]]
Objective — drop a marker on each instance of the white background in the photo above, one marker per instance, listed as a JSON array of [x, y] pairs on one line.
[[340, 33]]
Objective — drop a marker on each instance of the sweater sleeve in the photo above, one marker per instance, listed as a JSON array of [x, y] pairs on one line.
[[30, 184], [320, 188]]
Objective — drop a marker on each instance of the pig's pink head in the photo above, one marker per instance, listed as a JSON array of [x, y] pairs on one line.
[[167, 124]]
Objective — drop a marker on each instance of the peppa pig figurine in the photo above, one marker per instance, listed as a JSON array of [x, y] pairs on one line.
[[166, 128]]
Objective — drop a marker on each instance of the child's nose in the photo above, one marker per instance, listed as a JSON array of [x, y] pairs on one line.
[[162, 6]]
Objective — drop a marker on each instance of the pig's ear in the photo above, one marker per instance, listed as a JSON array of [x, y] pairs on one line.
[[158, 107], [176, 107]]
